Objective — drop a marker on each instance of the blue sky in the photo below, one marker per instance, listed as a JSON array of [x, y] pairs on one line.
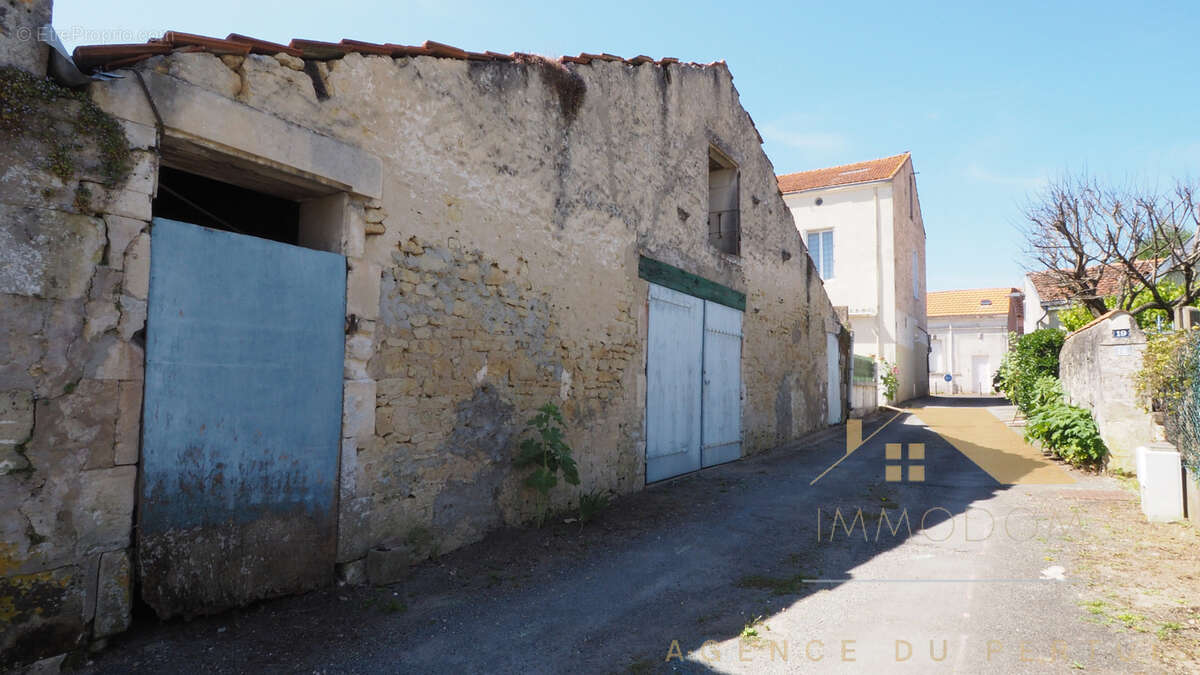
[[991, 98]]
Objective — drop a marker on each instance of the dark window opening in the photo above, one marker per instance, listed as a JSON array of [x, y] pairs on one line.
[[724, 217], [221, 206]]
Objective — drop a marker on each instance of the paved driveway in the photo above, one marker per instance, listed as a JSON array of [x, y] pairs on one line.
[[747, 567]]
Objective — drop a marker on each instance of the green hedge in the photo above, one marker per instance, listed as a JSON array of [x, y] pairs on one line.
[[1030, 356], [1066, 430], [1029, 377]]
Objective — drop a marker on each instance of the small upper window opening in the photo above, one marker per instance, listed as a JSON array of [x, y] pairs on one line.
[[724, 216], [218, 205], [985, 302]]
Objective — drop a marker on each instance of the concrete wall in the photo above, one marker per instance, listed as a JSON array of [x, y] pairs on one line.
[[492, 215], [1097, 370]]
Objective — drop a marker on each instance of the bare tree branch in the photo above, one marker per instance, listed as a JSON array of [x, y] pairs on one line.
[[1094, 240]]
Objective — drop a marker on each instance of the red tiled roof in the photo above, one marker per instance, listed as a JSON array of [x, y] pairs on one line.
[[847, 174], [1108, 279], [971, 301], [100, 57]]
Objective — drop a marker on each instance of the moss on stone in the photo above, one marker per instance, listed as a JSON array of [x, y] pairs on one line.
[[83, 198], [23, 102]]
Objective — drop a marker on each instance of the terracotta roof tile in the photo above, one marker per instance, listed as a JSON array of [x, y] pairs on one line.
[[368, 47], [847, 174], [444, 51], [263, 47], [96, 56], [968, 302], [321, 51], [110, 56], [1052, 287], [209, 44], [406, 50]]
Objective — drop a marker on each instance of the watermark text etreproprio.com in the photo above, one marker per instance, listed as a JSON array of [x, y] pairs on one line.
[[87, 35]]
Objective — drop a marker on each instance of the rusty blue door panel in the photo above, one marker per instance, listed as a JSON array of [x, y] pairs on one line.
[[242, 419]]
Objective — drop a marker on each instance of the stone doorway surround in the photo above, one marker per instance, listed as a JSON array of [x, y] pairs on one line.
[[338, 186]]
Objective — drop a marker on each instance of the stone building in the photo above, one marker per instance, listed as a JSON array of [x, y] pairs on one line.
[[862, 223], [289, 307], [969, 333]]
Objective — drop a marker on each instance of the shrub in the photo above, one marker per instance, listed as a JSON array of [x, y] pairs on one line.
[[1068, 431], [1046, 391], [1030, 357], [1167, 367]]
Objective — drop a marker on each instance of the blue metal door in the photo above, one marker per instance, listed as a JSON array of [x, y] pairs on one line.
[[242, 419]]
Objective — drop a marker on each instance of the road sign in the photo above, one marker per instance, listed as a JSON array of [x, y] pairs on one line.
[[948, 377]]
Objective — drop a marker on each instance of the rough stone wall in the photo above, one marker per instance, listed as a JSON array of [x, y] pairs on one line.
[[516, 200], [550, 181], [74, 264], [20, 21], [1097, 372], [498, 271], [467, 350]]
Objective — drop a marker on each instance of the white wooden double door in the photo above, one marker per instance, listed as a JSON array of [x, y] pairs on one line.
[[693, 384]]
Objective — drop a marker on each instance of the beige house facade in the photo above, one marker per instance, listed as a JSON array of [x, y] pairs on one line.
[[863, 226], [499, 232], [969, 332]]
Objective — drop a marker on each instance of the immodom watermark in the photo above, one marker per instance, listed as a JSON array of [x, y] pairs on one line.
[[975, 523], [912, 651]]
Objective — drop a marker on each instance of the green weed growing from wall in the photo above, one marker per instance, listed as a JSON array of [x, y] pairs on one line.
[[547, 453]]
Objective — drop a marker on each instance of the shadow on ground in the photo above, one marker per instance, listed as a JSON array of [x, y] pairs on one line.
[[689, 560]]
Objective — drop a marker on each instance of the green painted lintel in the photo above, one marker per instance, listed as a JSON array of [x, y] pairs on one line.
[[676, 279]]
